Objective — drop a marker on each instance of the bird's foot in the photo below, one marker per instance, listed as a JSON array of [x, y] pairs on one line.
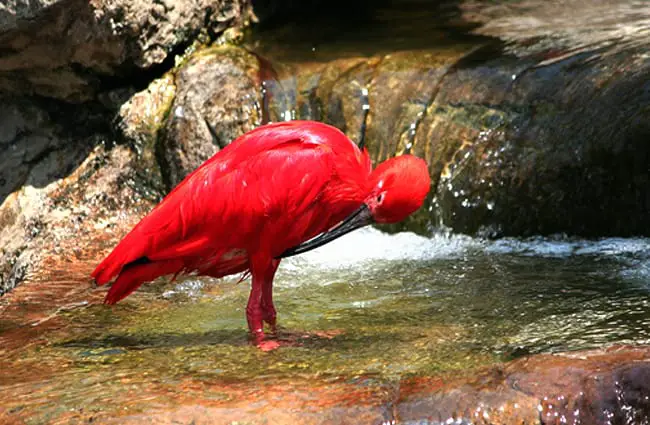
[[268, 345], [256, 319], [261, 341]]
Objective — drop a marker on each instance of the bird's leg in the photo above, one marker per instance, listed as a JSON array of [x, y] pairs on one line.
[[268, 309], [256, 310]]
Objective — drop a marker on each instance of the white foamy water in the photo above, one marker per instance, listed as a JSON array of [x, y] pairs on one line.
[[564, 247], [369, 250], [371, 245]]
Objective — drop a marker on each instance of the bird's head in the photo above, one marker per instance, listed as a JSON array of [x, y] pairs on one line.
[[398, 189], [399, 186]]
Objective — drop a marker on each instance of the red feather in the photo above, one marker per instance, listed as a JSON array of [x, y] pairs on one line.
[[269, 190]]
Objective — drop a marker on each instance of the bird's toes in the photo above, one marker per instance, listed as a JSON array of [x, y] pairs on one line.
[[268, 345]]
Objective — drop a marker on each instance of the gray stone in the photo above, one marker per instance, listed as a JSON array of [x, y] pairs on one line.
[[71, 49], [217, 87]]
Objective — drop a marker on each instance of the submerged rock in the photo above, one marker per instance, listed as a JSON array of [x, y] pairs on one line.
[[596, 387], [149, 360]]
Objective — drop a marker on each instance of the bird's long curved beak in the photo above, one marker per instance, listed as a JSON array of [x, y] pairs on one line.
[[361, 217]]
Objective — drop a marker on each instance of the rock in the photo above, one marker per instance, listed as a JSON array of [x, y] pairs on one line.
[[543, 148], [536, 26], [12, 12], [140, 121], [217, 87], [519, 142], [61, 52], [592, 387], [73, 49], [37, 222], [34, 153], [50, 156], [56, 220]]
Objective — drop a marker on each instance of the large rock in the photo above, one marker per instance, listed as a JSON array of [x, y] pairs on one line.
[[60, 176], [543, 145], [520, 140], [217, 98], [592, 387], [72, 49], [58, 218], [35, 152], [58, 53]]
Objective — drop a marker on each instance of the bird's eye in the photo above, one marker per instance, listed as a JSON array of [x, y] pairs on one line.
[[380, 198]]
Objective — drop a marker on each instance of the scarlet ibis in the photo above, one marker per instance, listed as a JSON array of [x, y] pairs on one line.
[[277, 191]]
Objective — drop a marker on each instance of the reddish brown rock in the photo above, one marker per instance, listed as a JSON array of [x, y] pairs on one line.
[[593, 387]]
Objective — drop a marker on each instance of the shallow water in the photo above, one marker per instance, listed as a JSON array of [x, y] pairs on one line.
[[365, 311]]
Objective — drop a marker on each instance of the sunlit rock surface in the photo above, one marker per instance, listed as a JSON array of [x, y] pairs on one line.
[[218, 88], [73, 49]]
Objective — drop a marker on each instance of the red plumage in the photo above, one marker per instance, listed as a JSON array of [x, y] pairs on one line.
[[268, 191]]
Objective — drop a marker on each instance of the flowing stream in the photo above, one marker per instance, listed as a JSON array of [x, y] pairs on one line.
[[367, 310]]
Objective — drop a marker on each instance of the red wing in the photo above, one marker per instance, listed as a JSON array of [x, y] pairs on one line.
[[214, 210]]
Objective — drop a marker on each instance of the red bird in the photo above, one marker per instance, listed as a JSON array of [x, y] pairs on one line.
[[279, 190]]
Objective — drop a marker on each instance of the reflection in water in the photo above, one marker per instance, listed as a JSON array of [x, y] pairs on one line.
[[368, 306], [571, 24]]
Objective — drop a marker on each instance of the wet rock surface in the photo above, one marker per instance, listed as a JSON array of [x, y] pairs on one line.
[[553, 147], [598, 387], [72, 360], [523, 136]]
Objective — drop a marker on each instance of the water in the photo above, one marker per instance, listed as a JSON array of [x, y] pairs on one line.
[[364, 312]]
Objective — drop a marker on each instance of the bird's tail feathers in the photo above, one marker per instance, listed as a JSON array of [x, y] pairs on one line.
[[129, 250], [134, 275]]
